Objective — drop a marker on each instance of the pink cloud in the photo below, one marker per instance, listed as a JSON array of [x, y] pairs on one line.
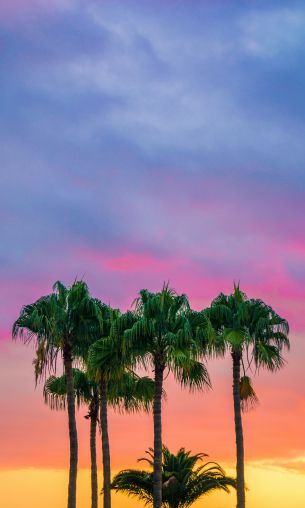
[[132, 262], [129, 261]]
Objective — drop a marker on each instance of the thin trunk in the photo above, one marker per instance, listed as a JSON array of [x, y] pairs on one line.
[[93, 422], [72, 428], [157, 476], [105, 444], [238, 432]]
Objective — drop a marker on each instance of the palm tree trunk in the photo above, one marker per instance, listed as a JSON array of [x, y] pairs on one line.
[[93, 423], [236, 356], [157, 476], [72, 427], [105, 444]]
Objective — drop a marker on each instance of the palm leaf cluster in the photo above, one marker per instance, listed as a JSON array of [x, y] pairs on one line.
[[162, 331], [55, 390], [102, 350], [248, 326], [183, 483]]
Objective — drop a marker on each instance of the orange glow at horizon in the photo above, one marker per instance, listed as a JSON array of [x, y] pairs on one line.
[[33, 436], [34, 488]]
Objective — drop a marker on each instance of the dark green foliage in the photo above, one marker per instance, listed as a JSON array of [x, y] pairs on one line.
[[67, 318], [55, 390], [163, 330], [161, 333], [66, 321], [163, 337], [254, 334], [247, 326], [131, 393], [182, 482]]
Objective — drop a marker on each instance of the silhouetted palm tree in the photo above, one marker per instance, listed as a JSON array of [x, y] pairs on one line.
[[132, 393], [162, 337], [65, 321], [182, 482], [118, 385], [55, 395], [253, 333]]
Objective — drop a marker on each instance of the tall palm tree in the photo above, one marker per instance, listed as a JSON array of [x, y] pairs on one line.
[[65, 322], [182, 482], [162, 337], [253, 333], [118, 385]]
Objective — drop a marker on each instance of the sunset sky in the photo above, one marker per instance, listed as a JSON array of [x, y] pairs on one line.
[[144, 141]]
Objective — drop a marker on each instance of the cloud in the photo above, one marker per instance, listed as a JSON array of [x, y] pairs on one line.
[[152, 139], [155, 86], [274, 33], [296, 464], [20, 12]]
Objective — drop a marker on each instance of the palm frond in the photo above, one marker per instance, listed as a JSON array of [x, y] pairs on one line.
[[239, 323], [131, 393], [68, 316], [248, 397], [135, 484], [55, 390], [167, 331], [191, 373], [183, 481]]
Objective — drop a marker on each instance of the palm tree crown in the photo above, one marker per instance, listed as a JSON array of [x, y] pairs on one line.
[[162, 334], [67, 320], [182, 482], [249, 327]]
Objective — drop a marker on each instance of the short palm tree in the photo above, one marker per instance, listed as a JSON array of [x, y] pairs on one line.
[[55, 395], [162, 337], [253, 333], [66, 322], [131, 393], [182, 482]]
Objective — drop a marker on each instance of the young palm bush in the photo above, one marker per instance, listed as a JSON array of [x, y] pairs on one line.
[[182, 482], [253, 333], [162, 337], [66, 322]]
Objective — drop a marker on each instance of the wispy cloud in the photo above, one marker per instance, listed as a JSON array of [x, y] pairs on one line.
[[150, 143], [276, 34], [296, 464]]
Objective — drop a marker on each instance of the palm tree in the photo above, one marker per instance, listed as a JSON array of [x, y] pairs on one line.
[[182, 483], [254, 334], [119, 386], [65, 321], [103, 366], [55, 395], [162, 337], [132, 393]]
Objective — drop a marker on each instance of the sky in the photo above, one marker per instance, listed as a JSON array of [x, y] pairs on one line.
[[143, 142]]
